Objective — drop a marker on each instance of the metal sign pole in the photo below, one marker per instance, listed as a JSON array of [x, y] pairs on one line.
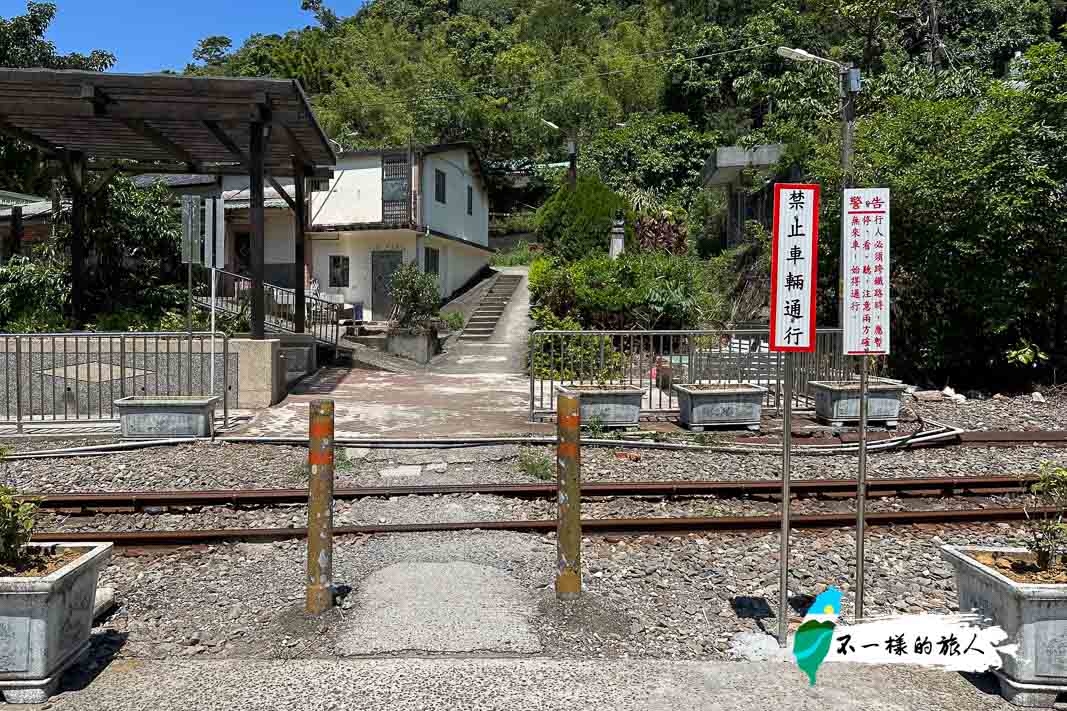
[[861, 488], [787, 443]]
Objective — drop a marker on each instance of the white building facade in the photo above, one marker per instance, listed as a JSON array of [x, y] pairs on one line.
[[385, 208], [380, 210]]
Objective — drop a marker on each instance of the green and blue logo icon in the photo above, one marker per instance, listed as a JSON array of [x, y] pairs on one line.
[[812, 641]]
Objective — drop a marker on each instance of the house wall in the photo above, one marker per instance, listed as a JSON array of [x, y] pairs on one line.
[[355, 193], [451, 218], [279, 244], [458, 263], [357, 246]]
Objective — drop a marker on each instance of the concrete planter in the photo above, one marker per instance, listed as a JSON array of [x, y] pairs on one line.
[[45, 623], [611, 405], [1033, 616], [417, 345], [710, 405], [838, 402], [159, 417]]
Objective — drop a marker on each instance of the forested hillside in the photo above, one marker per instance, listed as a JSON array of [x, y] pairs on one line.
[[962, 114]]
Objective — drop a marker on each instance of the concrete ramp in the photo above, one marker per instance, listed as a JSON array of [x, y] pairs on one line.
[[450, 608]]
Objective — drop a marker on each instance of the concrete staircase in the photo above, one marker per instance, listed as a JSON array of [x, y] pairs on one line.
[[299, 362], [485, 318]]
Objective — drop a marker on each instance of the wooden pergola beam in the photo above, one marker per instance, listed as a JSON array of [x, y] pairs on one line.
[[232, 147], [10, 129], [145, 130]]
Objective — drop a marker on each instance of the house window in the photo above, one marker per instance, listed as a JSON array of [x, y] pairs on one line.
[[338, 271], [439, 186], [432, 260], [470, 200]]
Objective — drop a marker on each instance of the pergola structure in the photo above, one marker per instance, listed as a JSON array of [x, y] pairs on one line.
[[161, 123]]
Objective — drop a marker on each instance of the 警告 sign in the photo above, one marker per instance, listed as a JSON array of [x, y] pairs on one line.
[[865, 270]]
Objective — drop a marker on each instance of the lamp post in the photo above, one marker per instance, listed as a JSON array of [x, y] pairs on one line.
[[850, 88], [572, 151]]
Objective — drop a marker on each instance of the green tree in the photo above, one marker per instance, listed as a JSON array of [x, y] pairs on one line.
[[23, 44], [577, 222]]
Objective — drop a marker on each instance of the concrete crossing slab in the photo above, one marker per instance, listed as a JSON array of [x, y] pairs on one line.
[[454, 607]]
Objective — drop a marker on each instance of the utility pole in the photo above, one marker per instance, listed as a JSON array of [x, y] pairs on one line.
[[572, 171], [850, 89]]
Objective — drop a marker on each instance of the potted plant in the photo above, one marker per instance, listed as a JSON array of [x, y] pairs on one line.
[[1024, 591], [413, 328], [703, 405], [838, 401], [47, 593]]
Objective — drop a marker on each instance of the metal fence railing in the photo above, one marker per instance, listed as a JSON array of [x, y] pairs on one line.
[[233, 295], [76, 377], [657, 360]]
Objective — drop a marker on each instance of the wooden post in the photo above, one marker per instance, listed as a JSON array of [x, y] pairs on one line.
[[299, 225], [320, 508], [14, 245], [569, 517], [255, 210], [76, 175]]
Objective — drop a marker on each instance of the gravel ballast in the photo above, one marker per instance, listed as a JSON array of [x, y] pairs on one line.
[[682, 597], [206, 465]]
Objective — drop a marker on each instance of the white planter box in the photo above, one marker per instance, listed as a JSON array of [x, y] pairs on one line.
[[45, 623], [612, 405], [1033, 616], [730, 404], [838, 402], [166, 416]]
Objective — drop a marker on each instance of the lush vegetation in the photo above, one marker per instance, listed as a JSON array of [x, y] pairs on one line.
[[577, 221], [416, 297], [645, 290], [1048, 530], [16, 526], [519, 255], [971, 140]]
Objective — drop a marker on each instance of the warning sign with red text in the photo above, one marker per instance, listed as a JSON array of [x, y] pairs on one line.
[[866, 271]]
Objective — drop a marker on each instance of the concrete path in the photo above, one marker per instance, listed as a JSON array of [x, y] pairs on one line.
[[505, 351], [475, 389], [455, 607], [403, 684], [378, 404]]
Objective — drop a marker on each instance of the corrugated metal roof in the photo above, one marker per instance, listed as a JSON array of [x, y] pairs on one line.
[[8, 197], [173, 181], [29, 210]]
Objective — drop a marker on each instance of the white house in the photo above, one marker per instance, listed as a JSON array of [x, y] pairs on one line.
[[382, 208]]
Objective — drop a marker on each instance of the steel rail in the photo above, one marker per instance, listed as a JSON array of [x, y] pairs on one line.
[[838, 488], [653, 526]]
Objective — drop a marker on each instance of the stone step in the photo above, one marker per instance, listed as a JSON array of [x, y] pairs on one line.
[[466, 337], [298, 358], [483, 320], [488, 312]]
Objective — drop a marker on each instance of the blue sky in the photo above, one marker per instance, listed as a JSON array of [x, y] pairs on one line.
[[150, 35]]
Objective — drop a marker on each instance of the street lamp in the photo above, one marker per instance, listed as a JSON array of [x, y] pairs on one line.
[[572, 150], [850, 88]]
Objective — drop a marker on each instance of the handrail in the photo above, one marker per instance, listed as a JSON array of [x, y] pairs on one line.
[[322, 317], [275, 287]]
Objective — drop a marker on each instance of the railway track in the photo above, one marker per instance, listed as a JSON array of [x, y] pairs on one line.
[[595, 527], [828, 488]]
